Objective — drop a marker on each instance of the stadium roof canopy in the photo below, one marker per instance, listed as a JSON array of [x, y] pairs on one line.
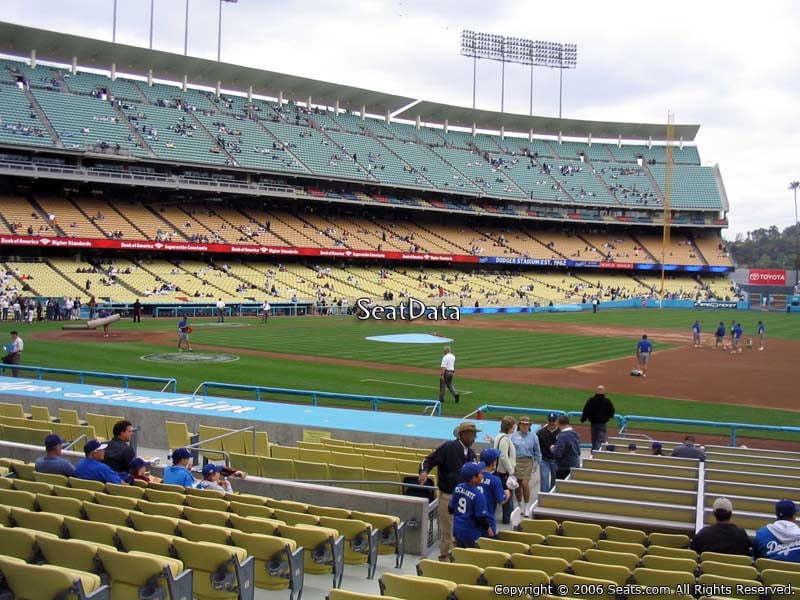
[[53, 46]]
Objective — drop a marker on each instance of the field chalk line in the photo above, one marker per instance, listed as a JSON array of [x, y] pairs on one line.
[[427, 387]]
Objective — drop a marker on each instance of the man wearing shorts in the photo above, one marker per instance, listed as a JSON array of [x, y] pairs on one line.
[[696, 334], [719, 336], [643, 350], [183, 334]]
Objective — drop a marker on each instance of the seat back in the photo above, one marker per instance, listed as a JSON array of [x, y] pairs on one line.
[[455, 572]]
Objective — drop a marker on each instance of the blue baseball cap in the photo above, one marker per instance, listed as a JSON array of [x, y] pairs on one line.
[[211, 468], [552, 417], [53, 441], [137, 463], [92, 446], [180, 454], [489, 455], [470, 469], [785, 509]]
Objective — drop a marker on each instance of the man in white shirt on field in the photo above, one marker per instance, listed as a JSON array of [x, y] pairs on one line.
[[448, 370], [220, 311], [265, 308]]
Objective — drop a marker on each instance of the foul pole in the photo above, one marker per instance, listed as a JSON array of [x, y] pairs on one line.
[[668, 168]]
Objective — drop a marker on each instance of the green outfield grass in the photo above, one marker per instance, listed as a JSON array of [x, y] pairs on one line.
[[341, 337]]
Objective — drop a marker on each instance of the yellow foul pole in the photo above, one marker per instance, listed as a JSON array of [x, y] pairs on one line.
[[668, 168]]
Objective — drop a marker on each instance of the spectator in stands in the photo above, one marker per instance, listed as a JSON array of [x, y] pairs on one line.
[[138, 471], [92, 467], [52, 462], [567, 449], [119, 453], [529, 457], [779, 540], [656, 449], [689, 450], [449, 457], [213, 479], [178, 473], [507, 463], [722, 536], [547, 435], [598, 410]]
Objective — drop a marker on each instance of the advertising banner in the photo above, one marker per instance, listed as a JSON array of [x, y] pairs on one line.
[[766, 277]]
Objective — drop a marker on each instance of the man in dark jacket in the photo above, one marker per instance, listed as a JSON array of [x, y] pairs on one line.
[[547, 435], [567, 449], [449, 458], [723, 536], [119, 453], [598, 410]]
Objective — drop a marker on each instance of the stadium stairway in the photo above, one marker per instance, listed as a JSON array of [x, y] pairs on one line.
[[139, 139], [43, 119]]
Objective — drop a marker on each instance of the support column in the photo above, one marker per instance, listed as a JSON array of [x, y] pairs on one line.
[[559, 138], [530, 136], [113, 71], [74, 69], [363, 112], [681, 143], [219, 88], [308, 103], [336, 109], [149, 77], [447, 125], [502, 132], [280, 99], [185, 83], [250, 93], [33, 58], [590, 138], [649, 142], [619, 141], [418, 122], [388, 116]]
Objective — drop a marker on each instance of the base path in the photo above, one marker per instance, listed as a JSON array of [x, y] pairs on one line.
[[752, 378]]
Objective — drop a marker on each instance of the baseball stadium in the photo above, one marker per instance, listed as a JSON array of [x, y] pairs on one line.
[[267, 269]]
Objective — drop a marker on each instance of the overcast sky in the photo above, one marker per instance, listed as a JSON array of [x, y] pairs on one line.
[[732, 68]]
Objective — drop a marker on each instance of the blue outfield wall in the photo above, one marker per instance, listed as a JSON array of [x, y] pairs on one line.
[[630, 303]]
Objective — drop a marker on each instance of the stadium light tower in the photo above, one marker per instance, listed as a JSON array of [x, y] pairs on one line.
[[186, 32], [114, 23], [151, 24], [518, 50], [219, 34], [793, 186]]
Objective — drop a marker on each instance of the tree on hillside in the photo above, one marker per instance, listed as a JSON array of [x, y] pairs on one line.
[[766, 248]]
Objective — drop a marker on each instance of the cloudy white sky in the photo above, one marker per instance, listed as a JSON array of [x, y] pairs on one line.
[[732, 68]]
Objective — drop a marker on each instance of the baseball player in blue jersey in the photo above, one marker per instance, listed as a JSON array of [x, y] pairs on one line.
[[736, 338], [468, 507], [762, 332], [696, 334], [719, 336], [492, 487], [643, 350]]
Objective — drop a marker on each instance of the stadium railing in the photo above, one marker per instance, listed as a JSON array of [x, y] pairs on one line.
[[170, 384], [624, 421], [431, 407]]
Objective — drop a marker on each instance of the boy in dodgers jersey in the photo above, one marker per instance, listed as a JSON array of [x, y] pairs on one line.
[[492, 487], [468, 507]]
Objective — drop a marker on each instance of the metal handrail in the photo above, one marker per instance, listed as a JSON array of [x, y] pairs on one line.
[[625, 420], [317, 394], [224, 435], [71, 445], [126, 379]]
